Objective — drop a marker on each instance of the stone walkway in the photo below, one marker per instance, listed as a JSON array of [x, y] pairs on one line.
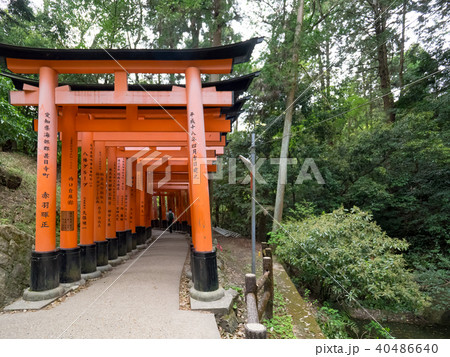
[[138, 299]]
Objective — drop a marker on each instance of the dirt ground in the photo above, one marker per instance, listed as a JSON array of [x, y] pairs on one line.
[[234, 258]]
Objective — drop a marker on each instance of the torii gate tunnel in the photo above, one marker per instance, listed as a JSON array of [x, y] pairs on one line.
[[144, 149]]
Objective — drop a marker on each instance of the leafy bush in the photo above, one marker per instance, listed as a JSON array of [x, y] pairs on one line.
[[345, 256], [14, 125], [335, 324], [375, 330], [431, 271]]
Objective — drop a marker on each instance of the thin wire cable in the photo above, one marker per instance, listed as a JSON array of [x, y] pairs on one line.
[[121, 274]]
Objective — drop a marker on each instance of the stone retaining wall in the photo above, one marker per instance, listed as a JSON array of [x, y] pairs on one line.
[[15, 251]]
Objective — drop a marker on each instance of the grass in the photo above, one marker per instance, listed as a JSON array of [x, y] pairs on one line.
[[17, 207], [281, 325]]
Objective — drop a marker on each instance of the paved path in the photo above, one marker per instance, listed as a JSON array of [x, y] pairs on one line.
[[142, 303]]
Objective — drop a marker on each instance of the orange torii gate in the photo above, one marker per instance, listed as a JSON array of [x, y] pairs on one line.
[[105, 120]]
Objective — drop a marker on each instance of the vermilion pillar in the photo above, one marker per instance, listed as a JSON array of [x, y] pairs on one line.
[[205, 263], [171, 202], [132, 206], [100, 204], [150, 215], [44, 259], [190, 203], [111, 215], [142, 199], [149, 199], [177, 211], [70, 265], [162, 199], [88, 251], [183, 207], [142, 207], [187, 213], [126, 212], [137, 206], [155, 210], [120, 222]]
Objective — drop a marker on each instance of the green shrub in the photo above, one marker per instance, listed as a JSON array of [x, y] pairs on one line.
[[335, 324], [344, 256], [431, 271], [375, 330]]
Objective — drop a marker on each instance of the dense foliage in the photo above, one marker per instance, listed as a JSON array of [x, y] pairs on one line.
[[16, 124], [345, 256]]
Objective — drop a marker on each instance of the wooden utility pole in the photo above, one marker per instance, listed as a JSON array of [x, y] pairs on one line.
[[282, 171]]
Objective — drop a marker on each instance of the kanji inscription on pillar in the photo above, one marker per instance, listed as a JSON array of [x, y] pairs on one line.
[[67, 220], [193, 149]]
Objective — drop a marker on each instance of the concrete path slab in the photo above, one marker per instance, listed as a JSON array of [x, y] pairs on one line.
[[138, 299]]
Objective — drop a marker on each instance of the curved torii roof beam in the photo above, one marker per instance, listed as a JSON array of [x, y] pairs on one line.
[[208, 60]]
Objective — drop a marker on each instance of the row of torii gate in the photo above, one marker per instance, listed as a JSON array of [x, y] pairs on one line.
[[144, 149]]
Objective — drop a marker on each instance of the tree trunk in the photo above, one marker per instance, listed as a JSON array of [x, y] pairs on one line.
[[195, 32], [261, 229], [217, 34], [327, 63], [321, 73], [217, 206], [402, 49], [216, 41], [282, 171], [380, 13]]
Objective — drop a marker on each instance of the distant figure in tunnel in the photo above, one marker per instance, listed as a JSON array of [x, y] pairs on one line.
[[170, 217]]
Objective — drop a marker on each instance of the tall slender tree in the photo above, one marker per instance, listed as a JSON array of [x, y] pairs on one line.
[[292, 83]]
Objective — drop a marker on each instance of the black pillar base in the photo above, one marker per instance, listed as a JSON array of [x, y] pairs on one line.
[[122, 243], [141, 235], [102, 253], [189, 230], [133, 241], [192, 262], [148, 233], [129, 240], [184, 225], [113, 248], [44, 270], [70, 265], [205, 271], [164, 224], [88, 257]]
